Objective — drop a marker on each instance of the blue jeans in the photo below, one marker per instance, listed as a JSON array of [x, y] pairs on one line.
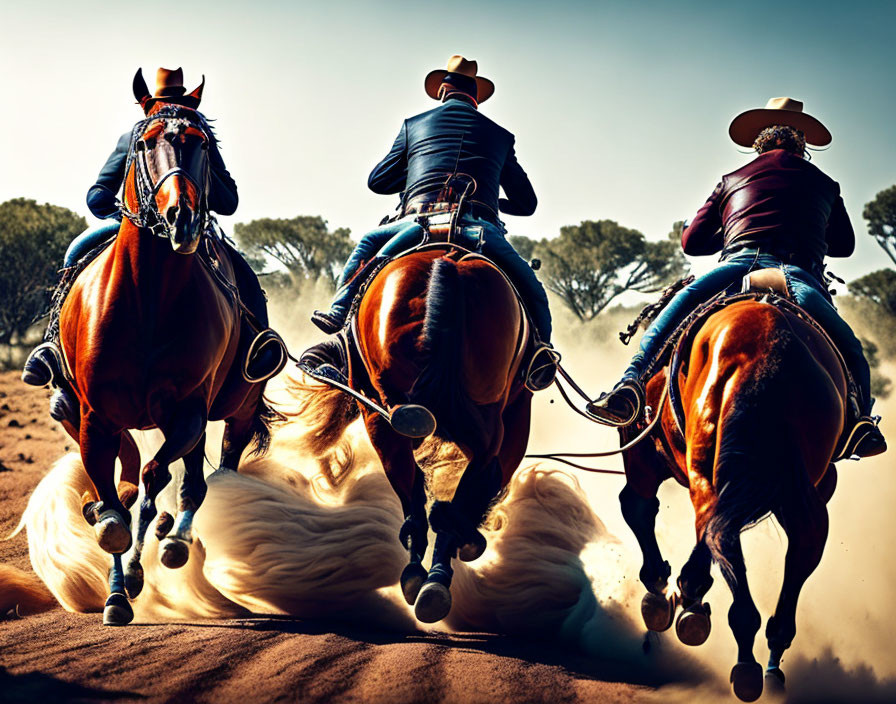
[[397, 237], [87, 240], [807, 290]]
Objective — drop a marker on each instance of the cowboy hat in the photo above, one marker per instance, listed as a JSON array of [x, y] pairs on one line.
[[459, 66], [778, 111], [169, 89]]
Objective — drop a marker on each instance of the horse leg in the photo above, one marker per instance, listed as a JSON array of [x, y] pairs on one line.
[[639, 509], [693, 624], [117, 611], [455, 524], [397, 456], [805, 520], [182, 433], [174, 549], [111, 519]]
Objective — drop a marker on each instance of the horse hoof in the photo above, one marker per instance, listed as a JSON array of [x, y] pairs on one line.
[[746, 680], [658, 611], [774, 682], [133, 579], [433, 602], [413, 421], [412, 579], [693, 625], [112, 534], [164, 524], [174, 553], [474, 549], [118, 611]]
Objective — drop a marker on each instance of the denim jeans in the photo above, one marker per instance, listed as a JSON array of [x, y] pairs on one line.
[[397, 237], [807, 290], [87, 240]]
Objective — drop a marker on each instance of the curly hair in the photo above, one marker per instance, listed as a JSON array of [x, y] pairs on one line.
[[781, 137]]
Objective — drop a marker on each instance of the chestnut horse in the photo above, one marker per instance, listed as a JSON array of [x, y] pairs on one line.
[[764, 398], [447, 332], [151, 341]]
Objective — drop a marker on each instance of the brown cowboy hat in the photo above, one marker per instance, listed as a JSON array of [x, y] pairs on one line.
[[459, 65], [778, 111], [169, 89]]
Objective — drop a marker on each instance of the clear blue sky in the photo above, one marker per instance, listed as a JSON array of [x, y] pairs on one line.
[[620, 109]]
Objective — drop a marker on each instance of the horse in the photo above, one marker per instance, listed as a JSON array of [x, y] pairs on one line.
[[151, 340], [443, 329], [763, 395]]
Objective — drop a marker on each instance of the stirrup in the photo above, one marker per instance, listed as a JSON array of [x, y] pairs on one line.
[[44, 365], [542, 368], [863, 440], [328, 321], [265, 358], [621, 407]]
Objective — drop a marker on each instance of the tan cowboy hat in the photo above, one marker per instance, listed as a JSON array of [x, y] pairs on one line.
[[778, 111], [169, 89], [459, 65]]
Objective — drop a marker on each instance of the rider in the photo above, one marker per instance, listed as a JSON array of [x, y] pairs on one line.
[[41, 366], [777, 211], [454, 139]]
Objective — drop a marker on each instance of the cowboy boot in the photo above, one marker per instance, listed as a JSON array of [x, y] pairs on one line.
[[864, 439], [327, 360], [622, 406], [332, 321]]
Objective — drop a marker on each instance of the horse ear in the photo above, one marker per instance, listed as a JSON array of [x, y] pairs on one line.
[[141, 91], [196, 93]]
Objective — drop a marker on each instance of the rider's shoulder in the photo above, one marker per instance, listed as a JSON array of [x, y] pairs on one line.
[[773, 160]]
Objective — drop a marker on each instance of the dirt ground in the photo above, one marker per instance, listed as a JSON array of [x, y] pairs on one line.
[[61, 656]]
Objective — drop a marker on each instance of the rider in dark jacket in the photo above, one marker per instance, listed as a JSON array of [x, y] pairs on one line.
[[102, 200], [777, 211], [443, 146]]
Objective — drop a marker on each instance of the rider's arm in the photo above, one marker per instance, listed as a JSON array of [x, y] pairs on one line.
[[101, 198], [222, 196], [839, 235], [520, 198], [704, 235], [390, 175]]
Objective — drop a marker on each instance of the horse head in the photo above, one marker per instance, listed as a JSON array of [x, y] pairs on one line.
[[171, 175]]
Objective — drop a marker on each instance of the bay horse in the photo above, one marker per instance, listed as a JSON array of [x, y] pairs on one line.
[[763, 395], [445, 331], [151, 340]]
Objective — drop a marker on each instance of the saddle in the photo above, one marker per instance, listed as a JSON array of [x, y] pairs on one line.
[[766, 285]]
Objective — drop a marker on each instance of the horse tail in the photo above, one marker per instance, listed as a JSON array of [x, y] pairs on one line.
[[23, 592], [325, 410], [751, 477], [441, 341], [266, 416]]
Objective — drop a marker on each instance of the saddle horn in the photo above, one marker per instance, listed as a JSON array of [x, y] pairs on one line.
[[141, 90]]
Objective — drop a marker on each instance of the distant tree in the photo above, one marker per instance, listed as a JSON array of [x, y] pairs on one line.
[[592, 263], [881, 386], [881, 216], [525, 246], [879, 287], [303, 245], [33, 240]]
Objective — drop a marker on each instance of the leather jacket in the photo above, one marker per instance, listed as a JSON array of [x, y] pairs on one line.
[[778, 203], [455, 138], [222, 196]]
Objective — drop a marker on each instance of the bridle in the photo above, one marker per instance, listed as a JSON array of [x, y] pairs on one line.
[[147, 215]]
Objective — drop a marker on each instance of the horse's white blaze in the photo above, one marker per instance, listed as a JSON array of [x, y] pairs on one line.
[[390, 294], [713, 370]]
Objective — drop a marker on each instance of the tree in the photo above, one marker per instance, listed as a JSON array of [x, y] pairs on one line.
[[881, 216], [879, 287], [592, 263], [525, 246], [881, 386], [302, 244], [33, 240]]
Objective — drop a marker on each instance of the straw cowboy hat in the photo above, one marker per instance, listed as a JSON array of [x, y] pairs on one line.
[[778, 111], [169, 89], [459, 66]]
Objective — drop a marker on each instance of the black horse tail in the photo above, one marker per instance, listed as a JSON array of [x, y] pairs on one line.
[[440, 345], [266, 416], [759, 462]]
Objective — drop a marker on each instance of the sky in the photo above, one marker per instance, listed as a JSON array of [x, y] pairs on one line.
[[620, 109]]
